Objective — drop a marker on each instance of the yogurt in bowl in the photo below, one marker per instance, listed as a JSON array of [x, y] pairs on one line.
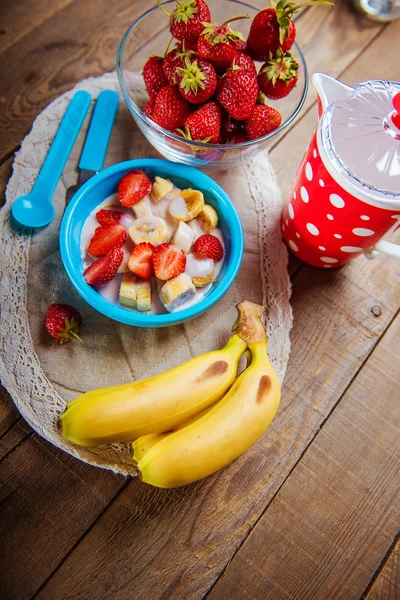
[[79, 224]]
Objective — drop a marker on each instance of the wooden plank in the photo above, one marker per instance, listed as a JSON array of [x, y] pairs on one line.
[[20, 17], [334, 518], [5, 174], [387, 584]]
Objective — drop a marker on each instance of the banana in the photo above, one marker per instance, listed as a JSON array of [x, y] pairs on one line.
[[200, 282], [135, 292], [183, 237], [176, 291], [161, 187], [142, 208], [208, 218], [149, 229], [143, 295], [187, 205], [230, 427], [125, 412]]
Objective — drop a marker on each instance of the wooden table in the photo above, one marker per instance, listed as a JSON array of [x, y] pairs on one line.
[[314, 512]]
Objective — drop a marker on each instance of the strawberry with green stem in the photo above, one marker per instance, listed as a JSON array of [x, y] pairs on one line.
[[197, 80], [204, 124], [170, 109], [218, 42], [175, 59], [278, 76], [63, 322], [187, 18], [272, 28]]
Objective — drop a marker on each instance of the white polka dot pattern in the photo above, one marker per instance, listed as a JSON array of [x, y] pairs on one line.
[[309, 173], [337, 236], [328, 259], [360, 231], [321, 183], [293, 246], [330, 217], [312, 229], [322, 248], [304, 194], [336, 201], [350, 249], [290, 210], [365, 218]]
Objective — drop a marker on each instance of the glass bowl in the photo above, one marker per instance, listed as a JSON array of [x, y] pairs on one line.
[[134, 51]]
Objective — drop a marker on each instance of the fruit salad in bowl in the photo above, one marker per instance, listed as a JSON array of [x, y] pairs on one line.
[[151, 243]]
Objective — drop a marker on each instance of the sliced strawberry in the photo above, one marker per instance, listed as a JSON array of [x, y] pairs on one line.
[[133, 187], [168, 261], [108, 217], [105, 268], [208, 245], [140, 261], [106, 237]]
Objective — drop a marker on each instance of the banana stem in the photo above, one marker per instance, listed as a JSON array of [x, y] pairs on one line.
[[163, 9], [249, 326], [234, 19], [291, 10]]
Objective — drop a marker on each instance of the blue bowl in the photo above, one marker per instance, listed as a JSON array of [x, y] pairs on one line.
[[103, 185]]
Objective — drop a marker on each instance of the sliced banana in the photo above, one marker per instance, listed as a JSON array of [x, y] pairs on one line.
[[142, 208], [208, 218], [200, 282], [177, 291], [187, 205], [149, 229], [161, 187], [183, 237], [128, 290], [127, 250], [143, 295]]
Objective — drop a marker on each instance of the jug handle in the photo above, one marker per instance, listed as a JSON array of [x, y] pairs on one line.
[[384, 247]]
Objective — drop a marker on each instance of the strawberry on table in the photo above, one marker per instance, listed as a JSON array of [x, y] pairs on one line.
[[278, 76], [63, 322], [133, 187], [170, 110], [106, 216], [237, 92], [218, 43], [209, 246], [106, 237], [204, 124], [140, 261], [262, 121], [197, 80], [168, 261], [186, 21], [272, 28], [104, 269], [153, 75], [175, 58]]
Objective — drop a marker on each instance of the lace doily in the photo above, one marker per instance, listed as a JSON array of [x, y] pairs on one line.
[[42, 376]]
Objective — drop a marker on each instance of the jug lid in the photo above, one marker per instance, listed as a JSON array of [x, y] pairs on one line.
[[361, 137]]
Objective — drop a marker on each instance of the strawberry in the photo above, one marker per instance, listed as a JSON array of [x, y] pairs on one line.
[[63, 322], [197, 80], [168, 261], [229, 127], [186, 21], [218, 43], [140, 261], [134, 186], [209, 246], [278, 76], [241, 46], [262, 121], [106, 237], [204, 124], [244, 61], [272, 28], [104, 269], [237, 92], [238, 138], [108, 217], [153, 75], [170, 110], [149, 106], [175, 58]]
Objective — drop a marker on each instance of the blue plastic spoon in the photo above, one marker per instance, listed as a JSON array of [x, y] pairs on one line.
[[36, 208]]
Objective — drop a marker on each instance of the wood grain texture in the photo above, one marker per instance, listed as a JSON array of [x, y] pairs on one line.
[[332, 521], [387, 584]]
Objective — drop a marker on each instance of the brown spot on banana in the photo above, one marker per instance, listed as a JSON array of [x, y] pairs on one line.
[[263, 388], [216, 369]]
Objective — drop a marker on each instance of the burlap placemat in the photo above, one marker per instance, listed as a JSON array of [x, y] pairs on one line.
[[42, 376]]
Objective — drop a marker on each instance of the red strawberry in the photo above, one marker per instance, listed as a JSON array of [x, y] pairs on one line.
[[278, 76], [186, 21], [244, 61], [105, 268], [272, 29], [218, 43], [204, 124], [208, 245], [108, 217], [241, 46], [153, 75], [175, 59], [140, 261], [106, 237], [170, 110], [197, 80], [229, 127], [168, 261], [134, 186], [237, 92], [63, 322], [149, 106], [238, 138], [262, 121]]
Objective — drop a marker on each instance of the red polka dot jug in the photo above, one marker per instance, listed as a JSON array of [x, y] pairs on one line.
[[345, 200]]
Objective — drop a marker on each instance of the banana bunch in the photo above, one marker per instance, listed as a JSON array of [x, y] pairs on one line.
[[204, 418]]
